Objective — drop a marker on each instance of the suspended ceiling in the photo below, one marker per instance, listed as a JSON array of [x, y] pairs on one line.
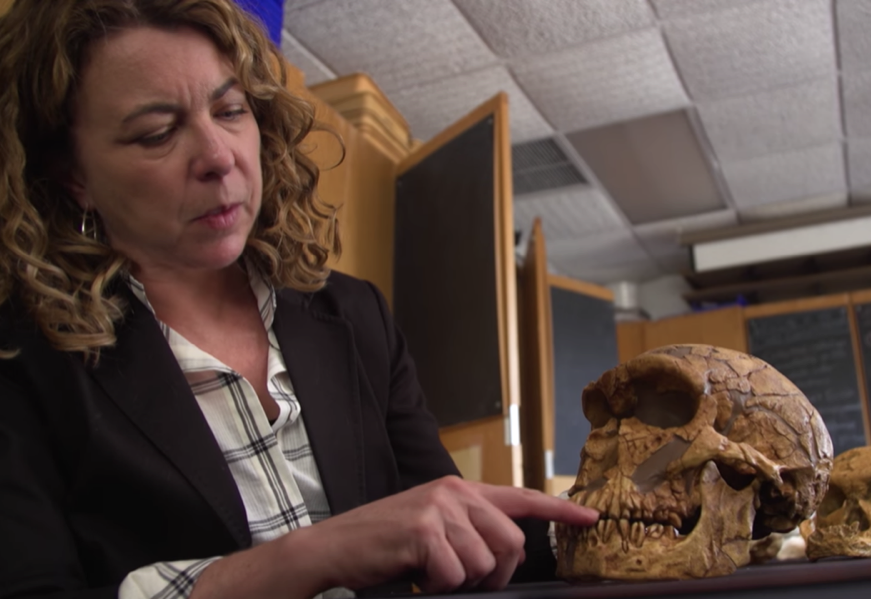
[[676, 115]]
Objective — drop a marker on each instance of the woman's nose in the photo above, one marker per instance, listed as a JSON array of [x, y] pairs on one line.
[[213, 155]]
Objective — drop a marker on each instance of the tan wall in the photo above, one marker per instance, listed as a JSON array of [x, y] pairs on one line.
[[363, 185], [724, 328]]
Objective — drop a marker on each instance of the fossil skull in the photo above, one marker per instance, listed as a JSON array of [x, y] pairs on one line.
[[842, 524], [694, 451]]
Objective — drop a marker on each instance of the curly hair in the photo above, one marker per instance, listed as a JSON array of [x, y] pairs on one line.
[[64, 279]]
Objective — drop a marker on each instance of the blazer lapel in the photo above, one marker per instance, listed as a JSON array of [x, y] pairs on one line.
[[319, 352], [143, 378]]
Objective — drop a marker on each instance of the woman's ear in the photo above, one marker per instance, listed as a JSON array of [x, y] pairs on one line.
[[75, 186]]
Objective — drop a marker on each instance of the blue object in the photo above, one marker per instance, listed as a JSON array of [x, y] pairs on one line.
[[270, 13]]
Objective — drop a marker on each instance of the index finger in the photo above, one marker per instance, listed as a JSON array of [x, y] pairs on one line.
[[528, 503]]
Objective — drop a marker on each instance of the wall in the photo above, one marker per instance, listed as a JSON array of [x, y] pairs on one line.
[[661, 298]]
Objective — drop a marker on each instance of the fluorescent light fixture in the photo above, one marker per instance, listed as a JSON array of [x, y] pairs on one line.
[[807, 240]]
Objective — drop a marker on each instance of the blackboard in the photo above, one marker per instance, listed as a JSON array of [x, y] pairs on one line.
[[814, 349], [863, 324], [584, 346], [444, 287]]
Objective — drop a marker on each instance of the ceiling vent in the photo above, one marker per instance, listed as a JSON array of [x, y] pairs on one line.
[[540, 165]]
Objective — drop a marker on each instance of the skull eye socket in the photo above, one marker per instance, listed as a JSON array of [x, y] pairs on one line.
[[664, 409], [596, 407], [833, 500], [733, 478]]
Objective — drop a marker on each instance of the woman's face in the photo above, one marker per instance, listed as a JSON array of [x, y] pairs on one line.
[[166, 150]]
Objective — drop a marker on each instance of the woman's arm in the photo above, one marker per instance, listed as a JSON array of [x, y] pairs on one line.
[[447, 534], [38, 555]]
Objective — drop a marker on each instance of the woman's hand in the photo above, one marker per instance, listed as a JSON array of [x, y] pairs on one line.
[[444, 535], [448, 534]]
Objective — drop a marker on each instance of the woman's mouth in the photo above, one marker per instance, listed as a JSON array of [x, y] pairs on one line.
[[222, 217]]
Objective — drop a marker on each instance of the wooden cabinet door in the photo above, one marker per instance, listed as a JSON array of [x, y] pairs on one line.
[[536, 352], [454, 289]]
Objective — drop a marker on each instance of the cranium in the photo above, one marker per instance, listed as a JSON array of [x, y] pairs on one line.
[[694, 450], [842, 524]]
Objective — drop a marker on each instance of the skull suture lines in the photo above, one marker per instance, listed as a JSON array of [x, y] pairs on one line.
[[694, 451]]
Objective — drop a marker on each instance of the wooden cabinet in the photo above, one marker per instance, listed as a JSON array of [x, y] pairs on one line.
[[376, 138], [723, 327]]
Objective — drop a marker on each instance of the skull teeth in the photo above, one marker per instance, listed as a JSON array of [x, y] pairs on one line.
[[631, 532], [600, 528], [624, 528], [610, 527], [638, 534]]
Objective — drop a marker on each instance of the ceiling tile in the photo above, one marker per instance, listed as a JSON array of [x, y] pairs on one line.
[[603, 258], [636, 272], [854, 43], [605, 248], [399, 44], [520, 27], [791, 118], [662, 239], [794, 207], [290, 5], [603, 82], [668, 9], [753, 47], [298, 55], [790, 176], [859, 162], [857, 99], [431, 107], [568, 213], [653, 168]]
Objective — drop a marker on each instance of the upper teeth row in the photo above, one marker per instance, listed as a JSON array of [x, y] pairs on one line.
[[625, 507], [634, 532]]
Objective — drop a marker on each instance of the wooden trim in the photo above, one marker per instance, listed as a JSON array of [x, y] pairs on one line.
[[362, 103], [798, 305], [559, 483], [860, 366], [484, 440], [861, 297], [583, 287], [486, 109], [506, 279], [537, 403]]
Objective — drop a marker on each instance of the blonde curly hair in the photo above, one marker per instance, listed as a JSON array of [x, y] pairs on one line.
[[63, 278]]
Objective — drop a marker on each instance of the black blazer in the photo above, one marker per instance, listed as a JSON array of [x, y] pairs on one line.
[[106, 469]]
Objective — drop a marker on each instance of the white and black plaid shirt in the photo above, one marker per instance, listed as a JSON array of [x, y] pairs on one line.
[[272, 463]]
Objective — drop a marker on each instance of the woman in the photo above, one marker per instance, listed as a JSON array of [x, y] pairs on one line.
[[192, 404]]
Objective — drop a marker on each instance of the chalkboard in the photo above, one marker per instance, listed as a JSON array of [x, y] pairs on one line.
[[814, 350], [863, 323], [584, 346], [444, 288]]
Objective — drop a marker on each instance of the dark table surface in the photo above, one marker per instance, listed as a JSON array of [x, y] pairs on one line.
[[826, 579]]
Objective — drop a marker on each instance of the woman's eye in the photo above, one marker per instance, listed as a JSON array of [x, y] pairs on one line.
[[232, 114], [156, 139]]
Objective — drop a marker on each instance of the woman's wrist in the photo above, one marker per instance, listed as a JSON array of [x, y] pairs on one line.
[[294, 566]]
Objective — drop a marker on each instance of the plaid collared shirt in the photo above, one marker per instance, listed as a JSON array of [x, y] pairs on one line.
[[272, 463]]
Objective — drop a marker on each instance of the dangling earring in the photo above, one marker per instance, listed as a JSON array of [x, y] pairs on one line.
[[84, 227]]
